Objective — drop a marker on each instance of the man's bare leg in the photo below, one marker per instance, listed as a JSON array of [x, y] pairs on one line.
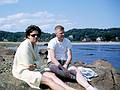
[[81, 80]]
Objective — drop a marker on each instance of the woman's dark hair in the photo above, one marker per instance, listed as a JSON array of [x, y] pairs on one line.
[[32, 28]]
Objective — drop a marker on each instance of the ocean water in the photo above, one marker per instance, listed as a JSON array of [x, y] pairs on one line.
[[89, 53]]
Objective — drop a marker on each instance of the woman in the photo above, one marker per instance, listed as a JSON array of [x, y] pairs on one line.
[[27, 62]]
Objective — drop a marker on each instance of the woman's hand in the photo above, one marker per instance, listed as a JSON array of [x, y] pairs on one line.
[[32, 67]]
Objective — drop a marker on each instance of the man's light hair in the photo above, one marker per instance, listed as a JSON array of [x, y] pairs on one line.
[[59, 27]]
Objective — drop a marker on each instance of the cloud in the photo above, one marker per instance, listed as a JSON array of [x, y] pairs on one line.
[[8, 1], [46, 21]]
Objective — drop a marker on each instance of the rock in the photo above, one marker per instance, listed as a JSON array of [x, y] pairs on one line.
[[43, 53], [8, 82], [108, 77], [79, 63], [102, 64], [7, 51], [46, 44], [1, 59]]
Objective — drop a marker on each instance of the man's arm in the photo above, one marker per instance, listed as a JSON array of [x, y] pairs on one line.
[[69, 59], [52, 56]]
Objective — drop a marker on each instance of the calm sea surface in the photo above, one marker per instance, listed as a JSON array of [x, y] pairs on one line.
[[90, 53]]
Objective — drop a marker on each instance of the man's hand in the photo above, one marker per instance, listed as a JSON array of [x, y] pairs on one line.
[[65, 66], [61, 67], [66, 72]]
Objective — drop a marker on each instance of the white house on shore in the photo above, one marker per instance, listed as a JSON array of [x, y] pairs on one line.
[[99, 39]]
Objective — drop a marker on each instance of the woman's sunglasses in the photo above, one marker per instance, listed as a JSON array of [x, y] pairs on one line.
[[34, 35]]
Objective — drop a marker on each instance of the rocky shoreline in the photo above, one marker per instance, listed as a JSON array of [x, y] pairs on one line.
[[108, 77]]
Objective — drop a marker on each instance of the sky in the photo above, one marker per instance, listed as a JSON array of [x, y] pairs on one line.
[[16, 15]]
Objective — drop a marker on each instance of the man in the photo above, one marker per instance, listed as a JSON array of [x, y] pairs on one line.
[[60, 57]]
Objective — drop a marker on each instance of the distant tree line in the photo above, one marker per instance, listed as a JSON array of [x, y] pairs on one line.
[[88, 34], [10, 36], [20, 36], [111, 34]]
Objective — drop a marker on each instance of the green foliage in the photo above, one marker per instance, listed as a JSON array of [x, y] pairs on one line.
[[92, 33], [45, 36], [10, 36], [111, 34]]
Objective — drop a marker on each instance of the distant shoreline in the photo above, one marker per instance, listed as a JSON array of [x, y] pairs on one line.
[[73, 43], [96, 43], [87, 43]]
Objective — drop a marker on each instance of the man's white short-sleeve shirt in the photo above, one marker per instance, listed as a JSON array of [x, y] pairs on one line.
[[60, 48]]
